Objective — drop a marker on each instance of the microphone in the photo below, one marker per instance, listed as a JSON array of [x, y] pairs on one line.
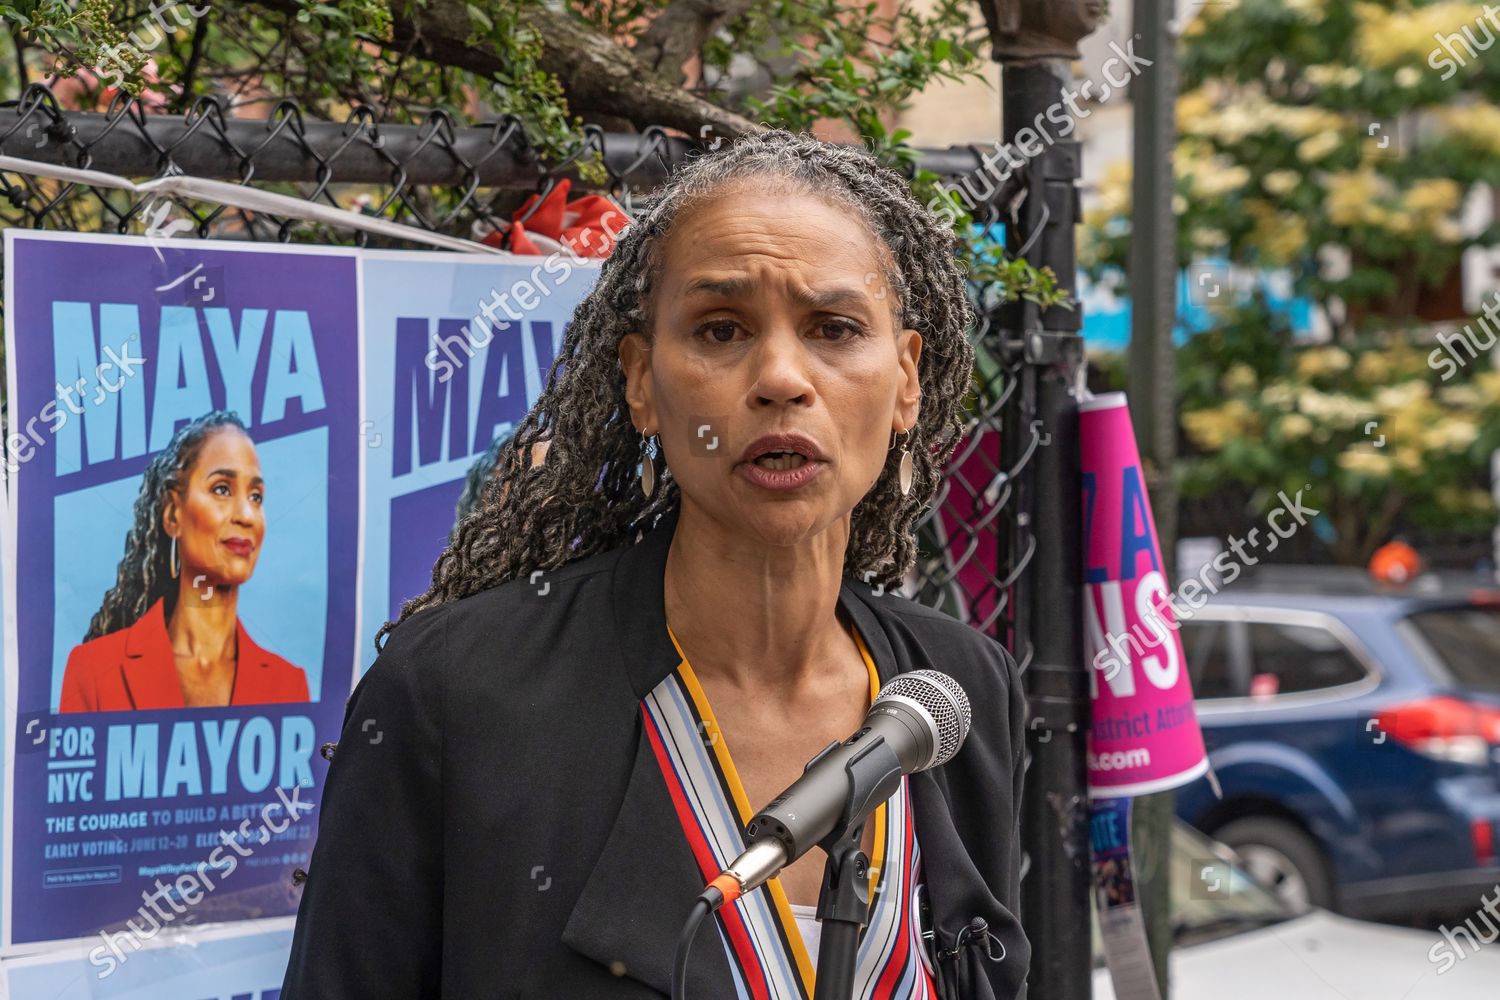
[[917, 721]]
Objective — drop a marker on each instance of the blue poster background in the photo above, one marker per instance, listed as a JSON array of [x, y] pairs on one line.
[[241, 964], [437, 396], [111, 806]]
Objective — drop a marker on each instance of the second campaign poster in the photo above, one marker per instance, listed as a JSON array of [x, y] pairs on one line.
[[456, 351]]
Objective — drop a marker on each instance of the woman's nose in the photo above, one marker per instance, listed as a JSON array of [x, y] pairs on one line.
[[246, 511], [781, 367]]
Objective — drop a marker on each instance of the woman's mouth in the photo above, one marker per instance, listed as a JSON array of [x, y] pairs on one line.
[[781, 470], [239, 546], [781, 461]]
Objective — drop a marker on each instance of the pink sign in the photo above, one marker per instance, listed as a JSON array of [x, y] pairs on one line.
[[1145, 735]]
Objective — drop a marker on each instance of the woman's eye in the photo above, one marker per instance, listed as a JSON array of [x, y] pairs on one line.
[[841, 329], [221, 489], [258, 497], [722, 331], [712, 330]]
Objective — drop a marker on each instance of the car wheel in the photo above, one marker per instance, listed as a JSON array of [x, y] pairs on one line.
[[1278, 855]]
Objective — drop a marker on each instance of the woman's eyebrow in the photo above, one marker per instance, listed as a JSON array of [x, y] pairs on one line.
[[736, 288], [234, 474]]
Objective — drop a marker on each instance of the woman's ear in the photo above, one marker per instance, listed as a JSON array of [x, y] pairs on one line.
[[909, 393], [169, 516], [635, 362]]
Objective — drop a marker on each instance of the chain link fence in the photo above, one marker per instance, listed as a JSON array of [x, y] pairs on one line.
[[442, 176]]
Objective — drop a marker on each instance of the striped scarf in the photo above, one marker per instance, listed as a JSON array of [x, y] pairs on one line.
[[760, 936]]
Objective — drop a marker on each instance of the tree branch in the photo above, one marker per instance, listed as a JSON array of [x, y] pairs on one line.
[[190, 71], [599, 78], [22, 79], [680, 31]]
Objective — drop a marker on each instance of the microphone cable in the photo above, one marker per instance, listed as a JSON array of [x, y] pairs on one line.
[[721, 890]]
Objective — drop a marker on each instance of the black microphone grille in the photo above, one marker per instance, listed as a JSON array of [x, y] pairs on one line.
[[943, 699]]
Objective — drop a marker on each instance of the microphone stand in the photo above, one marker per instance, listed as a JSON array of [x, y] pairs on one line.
[[844, 899], [843, 910], [872, 775]]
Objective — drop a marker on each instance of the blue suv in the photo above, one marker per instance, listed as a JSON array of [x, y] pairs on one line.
[[1356, 738]]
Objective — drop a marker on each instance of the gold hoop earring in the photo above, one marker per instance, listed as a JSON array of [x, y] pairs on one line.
[[648, 467]]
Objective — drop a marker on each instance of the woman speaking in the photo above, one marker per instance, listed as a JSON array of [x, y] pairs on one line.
[[629, 649]]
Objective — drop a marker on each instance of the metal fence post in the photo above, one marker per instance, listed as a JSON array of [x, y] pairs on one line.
[[1049, 614], [1152, 380]]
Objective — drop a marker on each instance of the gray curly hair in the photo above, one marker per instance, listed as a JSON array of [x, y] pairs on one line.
[[585, 498]]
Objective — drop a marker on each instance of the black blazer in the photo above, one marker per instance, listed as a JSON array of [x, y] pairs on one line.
[[494, 823]]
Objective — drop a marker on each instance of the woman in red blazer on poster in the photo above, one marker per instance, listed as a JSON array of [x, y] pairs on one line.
[[168, 634]]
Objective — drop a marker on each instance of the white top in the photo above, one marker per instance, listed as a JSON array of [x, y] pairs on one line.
[[812, 931]]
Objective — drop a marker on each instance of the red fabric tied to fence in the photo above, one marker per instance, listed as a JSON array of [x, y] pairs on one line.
[[587, 225]]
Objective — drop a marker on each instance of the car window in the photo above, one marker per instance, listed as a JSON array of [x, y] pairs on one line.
[[1287, 659], [1211, 896], [1205, 644], [1467, 641]]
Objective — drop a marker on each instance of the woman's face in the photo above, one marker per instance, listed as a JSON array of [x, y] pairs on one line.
[[218, 519], [772, 316]]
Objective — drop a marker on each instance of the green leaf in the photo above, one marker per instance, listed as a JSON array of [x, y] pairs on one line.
[[477, 13]]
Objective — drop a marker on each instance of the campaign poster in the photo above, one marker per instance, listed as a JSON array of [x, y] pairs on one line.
[[457, 349], [1145, 736], [183, 448]]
